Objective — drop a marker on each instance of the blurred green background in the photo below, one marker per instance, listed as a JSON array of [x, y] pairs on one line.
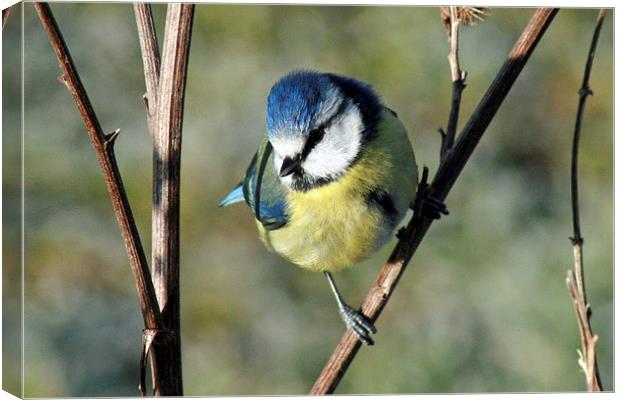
[[483, 306]]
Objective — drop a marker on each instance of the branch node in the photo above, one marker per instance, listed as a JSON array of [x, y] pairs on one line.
[[149, 336], [576, 240]]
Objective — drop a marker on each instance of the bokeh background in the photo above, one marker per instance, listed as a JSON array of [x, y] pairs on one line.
[[483, 306]]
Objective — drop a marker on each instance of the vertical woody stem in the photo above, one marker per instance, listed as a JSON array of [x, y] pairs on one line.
[[576, 280], [458, 84], [166, 187]]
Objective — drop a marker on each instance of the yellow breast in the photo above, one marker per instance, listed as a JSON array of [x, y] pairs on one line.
[[333, 227]]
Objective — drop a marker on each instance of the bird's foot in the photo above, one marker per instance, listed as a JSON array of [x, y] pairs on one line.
[[358, 323], [426, 205], [432, 207]]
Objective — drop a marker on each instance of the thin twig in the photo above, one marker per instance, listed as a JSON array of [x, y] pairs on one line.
[[150, 59], [104, 149], [458, 84], [166, 189], [5, 16], [576, 279], [447, 174]]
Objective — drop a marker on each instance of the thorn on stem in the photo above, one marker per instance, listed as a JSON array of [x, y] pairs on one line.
[[145, 97], [442, 149], [110, 138], [586, 91], [63, 79], [150, 108]]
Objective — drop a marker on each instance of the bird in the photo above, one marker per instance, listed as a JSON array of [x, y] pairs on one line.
[[332, 179]]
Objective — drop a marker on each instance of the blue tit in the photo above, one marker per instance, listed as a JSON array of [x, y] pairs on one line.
[[332, 179]]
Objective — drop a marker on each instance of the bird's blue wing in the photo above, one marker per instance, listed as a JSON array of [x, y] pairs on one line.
[[235, 196], [262, 191]]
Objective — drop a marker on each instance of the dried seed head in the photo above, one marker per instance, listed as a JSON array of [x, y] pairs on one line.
[[469, 15]]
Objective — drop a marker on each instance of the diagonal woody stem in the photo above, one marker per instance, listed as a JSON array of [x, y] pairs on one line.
[[449, 170], [104, 149]]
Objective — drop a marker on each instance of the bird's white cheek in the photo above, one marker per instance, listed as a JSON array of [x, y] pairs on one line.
[[287, 146], [338, 149], [328, 161]]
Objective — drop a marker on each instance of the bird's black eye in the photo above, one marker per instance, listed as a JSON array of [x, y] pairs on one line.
[[314, 137]]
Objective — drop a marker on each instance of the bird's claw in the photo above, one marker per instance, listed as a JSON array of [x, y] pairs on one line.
[[359, 324], [425, 205], [432, 207]]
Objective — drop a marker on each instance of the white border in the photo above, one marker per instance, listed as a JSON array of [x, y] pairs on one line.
[[502, 3]]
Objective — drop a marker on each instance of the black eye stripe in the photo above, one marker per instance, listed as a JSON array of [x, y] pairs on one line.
[[316, 135], [314, 138]]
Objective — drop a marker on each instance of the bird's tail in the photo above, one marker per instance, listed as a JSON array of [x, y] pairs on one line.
[[235, 196]]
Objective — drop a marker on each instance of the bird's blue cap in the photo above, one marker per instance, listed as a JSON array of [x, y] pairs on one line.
[[297, 99]]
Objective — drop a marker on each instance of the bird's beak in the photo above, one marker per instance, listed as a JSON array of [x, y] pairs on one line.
[[290, 165]]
